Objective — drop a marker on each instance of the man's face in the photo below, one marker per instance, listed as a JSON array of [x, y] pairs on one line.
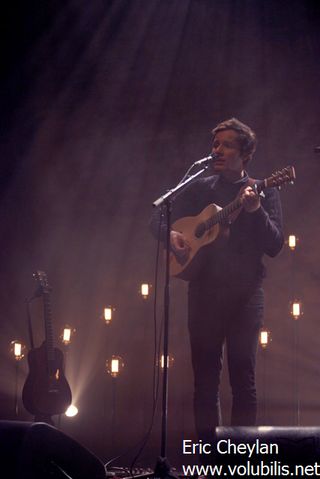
[[227, 146]]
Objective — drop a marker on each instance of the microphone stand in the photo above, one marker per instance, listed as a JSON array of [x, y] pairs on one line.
[[163, 468]]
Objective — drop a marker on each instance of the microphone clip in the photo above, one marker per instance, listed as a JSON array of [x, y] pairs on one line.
[[206, 160]]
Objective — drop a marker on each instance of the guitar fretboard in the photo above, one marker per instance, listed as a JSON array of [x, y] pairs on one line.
[[225, 212], [48, 327]]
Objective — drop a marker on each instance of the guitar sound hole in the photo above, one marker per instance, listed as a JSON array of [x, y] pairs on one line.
[[200, 230]]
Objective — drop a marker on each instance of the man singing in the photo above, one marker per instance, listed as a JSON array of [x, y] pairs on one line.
[[225, 297]]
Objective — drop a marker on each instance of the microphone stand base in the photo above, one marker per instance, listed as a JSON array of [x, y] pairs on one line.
[[163, 469]]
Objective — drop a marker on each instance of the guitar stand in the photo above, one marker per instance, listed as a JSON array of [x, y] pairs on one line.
[[44, 418]]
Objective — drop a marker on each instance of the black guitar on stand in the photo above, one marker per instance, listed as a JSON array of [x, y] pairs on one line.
[[46, 391]]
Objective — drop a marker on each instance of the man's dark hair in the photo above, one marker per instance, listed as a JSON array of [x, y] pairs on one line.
[[247, 137]]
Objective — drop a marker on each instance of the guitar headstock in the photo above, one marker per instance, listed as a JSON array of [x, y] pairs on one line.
[[42, 280], [278, 178]]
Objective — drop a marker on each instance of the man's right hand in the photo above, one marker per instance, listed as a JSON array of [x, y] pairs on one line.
[[179, 243]]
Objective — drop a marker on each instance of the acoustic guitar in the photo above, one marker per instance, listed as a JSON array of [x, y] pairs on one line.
[[206, 227], [46, 391]]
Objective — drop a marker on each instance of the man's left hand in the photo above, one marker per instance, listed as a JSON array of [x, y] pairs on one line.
[[250, 199]]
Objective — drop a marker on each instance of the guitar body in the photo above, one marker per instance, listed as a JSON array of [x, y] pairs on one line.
[[46, 391], [186, 267]]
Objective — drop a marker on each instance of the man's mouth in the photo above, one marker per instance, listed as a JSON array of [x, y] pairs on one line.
[[219, 161]]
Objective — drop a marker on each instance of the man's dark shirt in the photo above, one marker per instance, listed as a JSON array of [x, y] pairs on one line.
[[235, 261]]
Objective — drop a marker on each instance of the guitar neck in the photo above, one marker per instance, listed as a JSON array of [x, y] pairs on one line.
[[230, 208], [48, 327], [225, 212]]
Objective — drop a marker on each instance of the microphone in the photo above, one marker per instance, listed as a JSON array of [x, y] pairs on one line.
[[207, 159], [316, 149]]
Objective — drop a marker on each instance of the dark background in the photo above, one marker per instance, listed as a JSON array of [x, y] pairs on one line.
[[104, 104]]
